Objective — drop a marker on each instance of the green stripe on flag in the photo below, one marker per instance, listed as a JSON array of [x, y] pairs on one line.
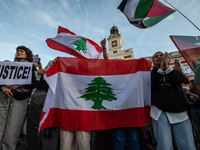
[[143, 8], [154, 20]]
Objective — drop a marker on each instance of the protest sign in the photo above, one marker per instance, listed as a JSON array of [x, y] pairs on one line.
[[15, 73]]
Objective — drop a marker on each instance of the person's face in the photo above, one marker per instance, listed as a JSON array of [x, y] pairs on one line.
[[190, 85], [158, 57], [21, 54]]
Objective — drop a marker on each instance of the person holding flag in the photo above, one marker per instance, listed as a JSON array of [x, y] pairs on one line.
[[79, 87], [168, 110]]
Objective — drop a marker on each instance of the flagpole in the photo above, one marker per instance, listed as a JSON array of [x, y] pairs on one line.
[[182, 14]]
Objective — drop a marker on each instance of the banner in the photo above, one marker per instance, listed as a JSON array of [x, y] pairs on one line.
[[15, 73], [92, 94]]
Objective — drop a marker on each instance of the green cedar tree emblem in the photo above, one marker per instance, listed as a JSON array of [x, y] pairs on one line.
[[97, 91], [81, 45]]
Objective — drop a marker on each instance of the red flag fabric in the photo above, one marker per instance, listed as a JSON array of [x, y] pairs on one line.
[[189, 47]]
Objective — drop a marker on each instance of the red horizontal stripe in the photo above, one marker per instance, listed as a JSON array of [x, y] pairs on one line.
[[96, 120], [60, 47], [97, 47], [99, 67]]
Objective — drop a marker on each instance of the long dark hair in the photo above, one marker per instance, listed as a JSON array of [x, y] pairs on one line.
[[29, 53]]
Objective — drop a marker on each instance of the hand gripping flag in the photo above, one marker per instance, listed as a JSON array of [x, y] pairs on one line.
[[78, 46], [189, 47], [96, 94], [144, 13]]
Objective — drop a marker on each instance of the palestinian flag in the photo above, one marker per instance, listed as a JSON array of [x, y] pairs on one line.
[[189, 47], [144, 13], [96, 94], [78, 46]]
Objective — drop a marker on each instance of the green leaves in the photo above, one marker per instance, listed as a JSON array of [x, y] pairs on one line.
[[81, 45]]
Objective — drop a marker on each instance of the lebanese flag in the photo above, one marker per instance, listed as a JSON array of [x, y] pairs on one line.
[[78, 46], [96, 94], [144, 13], [189, 47]]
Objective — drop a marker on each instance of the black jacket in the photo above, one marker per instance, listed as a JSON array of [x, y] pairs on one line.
[[34, 82], [166, 91]]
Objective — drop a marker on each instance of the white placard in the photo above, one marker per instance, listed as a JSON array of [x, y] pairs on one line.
[[15, 73]]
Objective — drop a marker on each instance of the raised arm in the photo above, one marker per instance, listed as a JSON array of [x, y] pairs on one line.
[[103, 45], [177, 66]]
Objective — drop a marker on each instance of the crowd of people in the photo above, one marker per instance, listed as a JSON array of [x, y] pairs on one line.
[[174, 112]]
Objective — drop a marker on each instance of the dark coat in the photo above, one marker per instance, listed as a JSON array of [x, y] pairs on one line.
[[166, 91]]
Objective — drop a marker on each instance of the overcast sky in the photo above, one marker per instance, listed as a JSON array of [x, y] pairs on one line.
[[31, 22]]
